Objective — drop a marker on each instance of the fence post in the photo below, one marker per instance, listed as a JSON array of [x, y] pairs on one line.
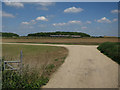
[[21, 56]]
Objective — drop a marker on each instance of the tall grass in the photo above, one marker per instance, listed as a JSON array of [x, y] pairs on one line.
[[111, 49], [29, 78]]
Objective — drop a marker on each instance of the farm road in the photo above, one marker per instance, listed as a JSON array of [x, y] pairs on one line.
[[85, 67]]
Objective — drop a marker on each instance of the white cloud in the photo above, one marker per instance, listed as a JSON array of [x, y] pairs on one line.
[[14, 4], [32, 22], [26, 23], [74, 22], [42, 18], [88, 22], [46, 3], [68, 23], [115, 11], [59, 24], [104, 20], [5, 14], [83, 27], [29, 23], [115, 19], [73, 10]]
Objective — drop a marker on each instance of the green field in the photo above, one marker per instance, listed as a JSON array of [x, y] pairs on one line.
[[39, 63], [33, 55], [111, 50]]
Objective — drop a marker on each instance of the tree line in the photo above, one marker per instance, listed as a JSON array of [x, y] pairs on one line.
[[48, 34], [5, 34]]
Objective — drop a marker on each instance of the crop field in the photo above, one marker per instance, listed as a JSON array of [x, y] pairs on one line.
[[83, 41]]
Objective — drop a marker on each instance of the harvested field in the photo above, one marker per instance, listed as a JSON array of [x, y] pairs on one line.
[[82, 41]]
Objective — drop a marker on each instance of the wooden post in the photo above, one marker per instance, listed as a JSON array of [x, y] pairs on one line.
[[21, 56]]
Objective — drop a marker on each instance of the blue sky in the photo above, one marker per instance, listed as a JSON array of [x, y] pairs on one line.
[[92, 18]]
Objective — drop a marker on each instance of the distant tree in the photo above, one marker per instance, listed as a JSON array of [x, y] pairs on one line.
[[4, 34]]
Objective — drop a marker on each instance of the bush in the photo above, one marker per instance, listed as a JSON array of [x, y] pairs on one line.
[[111, 49], [28, 79]]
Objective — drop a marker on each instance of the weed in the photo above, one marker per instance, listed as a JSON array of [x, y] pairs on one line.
[[56, 59], [51, 66], [12, 79], [63, 61]]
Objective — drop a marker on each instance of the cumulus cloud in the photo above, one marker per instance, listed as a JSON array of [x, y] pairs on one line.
[[84, 27], [5, 14], [115, 19], [88, 22], [115, 11], [104, 20], [32, 22], [42, 18], [46, 3], [14, 4], [29, 23], [68, 23], [73, 10]]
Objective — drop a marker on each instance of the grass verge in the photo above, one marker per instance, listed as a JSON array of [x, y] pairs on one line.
[[111, 50], [28, 79]]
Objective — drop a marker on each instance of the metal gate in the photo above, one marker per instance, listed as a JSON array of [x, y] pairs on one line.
[[7, 65]]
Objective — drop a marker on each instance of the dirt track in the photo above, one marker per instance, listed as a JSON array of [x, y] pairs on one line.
[[85, 67]]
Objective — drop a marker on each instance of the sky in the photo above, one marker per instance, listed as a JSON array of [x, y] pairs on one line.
[[93, 18]]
